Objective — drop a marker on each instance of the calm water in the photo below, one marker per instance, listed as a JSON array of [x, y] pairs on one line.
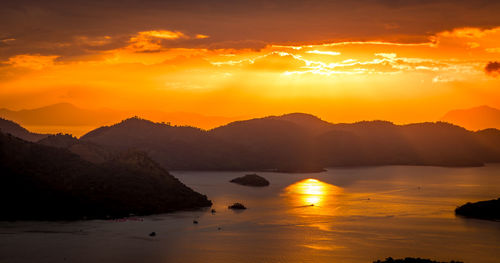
[[343, 215]]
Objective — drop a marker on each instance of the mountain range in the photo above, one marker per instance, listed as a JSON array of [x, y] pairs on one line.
[[67, 118], [476, 118], [300, 143], [122, 168], [294, 142]]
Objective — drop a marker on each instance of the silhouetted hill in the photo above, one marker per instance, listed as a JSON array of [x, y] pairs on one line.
[[412, 260], [42, 182], [483, 210], [174, 147], [188, 119], [308, 122], [489, 139], [269, 144], [477, 118], [15, 129], [86, 150], [291, 143], [381, 142]]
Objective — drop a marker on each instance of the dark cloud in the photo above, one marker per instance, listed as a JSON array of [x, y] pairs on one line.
[[53, 27], [492, 68]]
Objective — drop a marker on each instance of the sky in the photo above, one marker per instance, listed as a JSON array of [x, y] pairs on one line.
[[344, 61]]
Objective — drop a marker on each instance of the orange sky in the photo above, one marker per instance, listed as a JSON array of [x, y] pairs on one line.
[[397, 77]]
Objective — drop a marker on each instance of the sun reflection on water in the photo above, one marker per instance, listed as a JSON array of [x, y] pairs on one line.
[[311, 192]]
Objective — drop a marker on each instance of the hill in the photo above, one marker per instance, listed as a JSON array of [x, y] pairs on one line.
[[384, 143], [300, 143], [48, 183], [86, 150], [477, 118], [68, 118], [10, 127], [174, 147], [187, 119], [412, 260], [308, 122]]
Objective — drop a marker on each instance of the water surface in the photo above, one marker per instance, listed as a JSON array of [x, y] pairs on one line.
[[342, 215]]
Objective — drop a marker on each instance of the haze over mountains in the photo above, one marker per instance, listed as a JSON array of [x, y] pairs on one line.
[[476, 118]]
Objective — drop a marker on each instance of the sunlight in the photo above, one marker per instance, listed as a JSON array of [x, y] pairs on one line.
[[312, 192]]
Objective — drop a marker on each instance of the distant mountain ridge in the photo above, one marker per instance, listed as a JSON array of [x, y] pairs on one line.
[[477, 118]]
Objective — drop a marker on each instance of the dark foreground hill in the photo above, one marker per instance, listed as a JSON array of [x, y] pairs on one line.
[[86, 150], [42, 182], [300, 143]]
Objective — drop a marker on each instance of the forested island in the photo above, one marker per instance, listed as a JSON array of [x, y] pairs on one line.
[[489, 210]]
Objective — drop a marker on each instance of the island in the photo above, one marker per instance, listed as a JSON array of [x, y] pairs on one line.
[[251, 180], [237, 206], [412, 260], [489, 210]]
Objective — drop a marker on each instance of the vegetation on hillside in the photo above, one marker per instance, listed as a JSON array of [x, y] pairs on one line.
[[42, 182]]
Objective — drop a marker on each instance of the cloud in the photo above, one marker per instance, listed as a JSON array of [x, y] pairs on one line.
[[331, 53], [163, 34], [156, 40], [387, 55], [441, 79], [466, 32], [38, 26], [7, 40], [493, 50], [36, 62], [201, 36], [150, 41], [492, 68]]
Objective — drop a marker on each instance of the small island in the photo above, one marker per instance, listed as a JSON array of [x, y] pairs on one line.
[[251, 180], [489, 210], [237, 206], [412, 260]]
